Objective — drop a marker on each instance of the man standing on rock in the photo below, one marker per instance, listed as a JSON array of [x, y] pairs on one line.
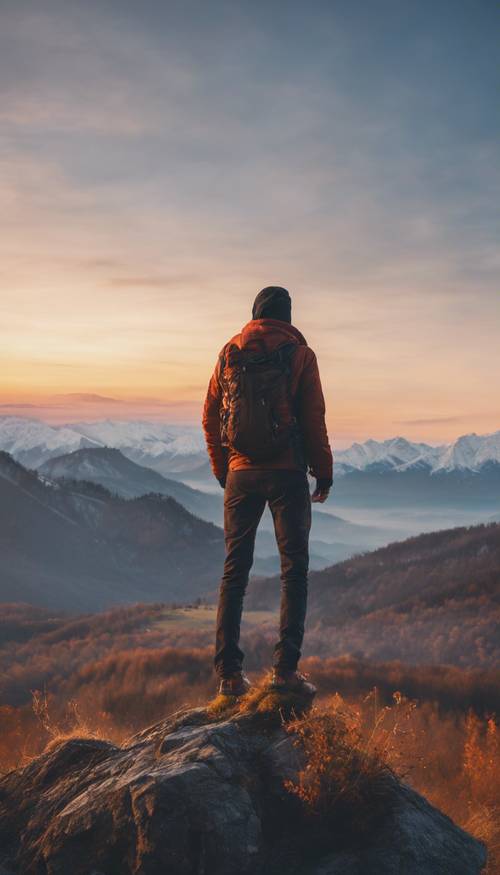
[[264, 423]]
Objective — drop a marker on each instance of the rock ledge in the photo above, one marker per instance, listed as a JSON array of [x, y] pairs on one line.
[[203, 795]]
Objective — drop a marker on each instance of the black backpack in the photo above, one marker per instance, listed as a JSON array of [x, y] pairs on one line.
[[257, 417]]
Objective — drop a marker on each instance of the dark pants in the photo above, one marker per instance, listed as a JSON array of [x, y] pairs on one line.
[[245, 498]]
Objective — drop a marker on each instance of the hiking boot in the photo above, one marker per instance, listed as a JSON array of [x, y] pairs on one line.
[[291, 682], [235, 685]]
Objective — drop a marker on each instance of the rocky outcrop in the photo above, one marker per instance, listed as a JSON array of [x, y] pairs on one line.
[[205, 795]]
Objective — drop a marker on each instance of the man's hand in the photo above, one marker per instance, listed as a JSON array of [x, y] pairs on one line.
[[322, 491]]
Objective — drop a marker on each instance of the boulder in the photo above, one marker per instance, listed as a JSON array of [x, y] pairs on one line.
[[204, 793]]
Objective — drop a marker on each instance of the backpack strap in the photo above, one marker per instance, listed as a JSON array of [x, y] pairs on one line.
[[222, 364]]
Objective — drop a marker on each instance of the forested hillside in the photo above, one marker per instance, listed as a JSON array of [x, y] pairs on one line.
[[433, 598]]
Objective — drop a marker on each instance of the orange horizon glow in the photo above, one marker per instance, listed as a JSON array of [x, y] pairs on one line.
[[151, 360]]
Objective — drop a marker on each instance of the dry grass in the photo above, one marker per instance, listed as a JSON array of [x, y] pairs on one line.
[[346, 781], [74, 725], [275, 706], [282, 706], [112, 675], [480, 803], [351, 753], [350, 750], [222, 707]]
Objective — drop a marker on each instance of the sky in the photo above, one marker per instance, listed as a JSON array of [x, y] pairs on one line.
[[160, 162]]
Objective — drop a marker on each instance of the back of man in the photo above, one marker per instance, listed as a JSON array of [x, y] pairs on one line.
[[264, 423]]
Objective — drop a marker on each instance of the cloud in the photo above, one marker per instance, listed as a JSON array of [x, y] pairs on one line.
[[41, 406], [17, 406], [434, 420], [154, 282], [87, 397], [106, 115]]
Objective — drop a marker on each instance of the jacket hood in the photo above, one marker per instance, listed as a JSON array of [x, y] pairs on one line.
[[273, 302], [270, 332]]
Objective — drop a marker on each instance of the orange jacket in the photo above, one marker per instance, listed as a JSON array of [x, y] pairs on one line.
[[305, 385]]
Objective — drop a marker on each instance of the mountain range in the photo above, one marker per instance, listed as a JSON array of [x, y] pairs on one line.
[[177, 449], [164, 448], [467, 453], [383, 490]]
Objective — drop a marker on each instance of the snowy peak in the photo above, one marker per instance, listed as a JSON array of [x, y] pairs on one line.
[[173, 449], [153, 438], [467, 453], [390, 454], [18, 434], [167, 447], [470, 452], [31, 441]]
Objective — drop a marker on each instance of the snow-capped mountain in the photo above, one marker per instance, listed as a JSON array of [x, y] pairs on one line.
[[165, 448], [31, 441], [389, 454], [152, 438], [467, 453], [460, 481], [168, 449], [470, 453], [180, 450]]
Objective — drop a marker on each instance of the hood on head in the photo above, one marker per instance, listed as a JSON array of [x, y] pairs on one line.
[[273, 302]]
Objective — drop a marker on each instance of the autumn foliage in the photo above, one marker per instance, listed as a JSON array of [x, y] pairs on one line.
[[111, 674]]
